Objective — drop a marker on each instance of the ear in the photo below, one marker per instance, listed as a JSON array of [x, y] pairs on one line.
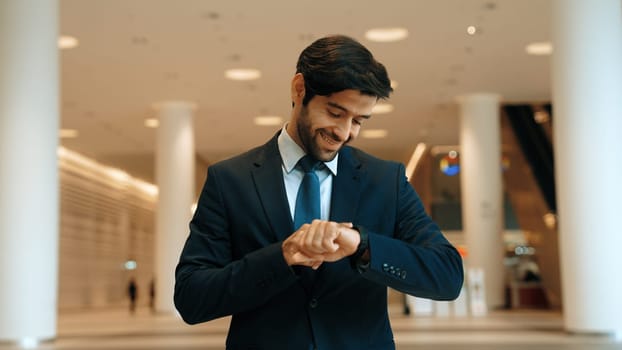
[[298, 89]]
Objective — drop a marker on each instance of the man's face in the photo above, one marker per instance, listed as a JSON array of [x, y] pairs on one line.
[[327, 123]]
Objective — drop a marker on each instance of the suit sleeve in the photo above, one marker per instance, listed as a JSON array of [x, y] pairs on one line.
[[417, 259], [209, 283]]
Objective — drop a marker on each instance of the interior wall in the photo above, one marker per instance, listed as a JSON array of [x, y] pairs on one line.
[[106, 219]]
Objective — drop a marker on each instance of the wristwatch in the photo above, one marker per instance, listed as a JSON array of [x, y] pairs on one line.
[[356, 260]]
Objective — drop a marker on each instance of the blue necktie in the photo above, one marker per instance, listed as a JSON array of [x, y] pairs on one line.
[[307, 209], [308, 198]]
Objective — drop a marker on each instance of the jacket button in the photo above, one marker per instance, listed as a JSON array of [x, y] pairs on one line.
[[385, 267], [313, 303], [403, 275]]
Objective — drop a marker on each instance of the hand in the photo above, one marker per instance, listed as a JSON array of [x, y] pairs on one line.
[[293, 254], [320, 241]]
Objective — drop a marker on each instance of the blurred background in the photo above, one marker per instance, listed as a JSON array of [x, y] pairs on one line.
[[117, 65], [132, 55]]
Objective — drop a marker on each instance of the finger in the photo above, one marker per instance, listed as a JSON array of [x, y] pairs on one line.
[[348, 240], [300, 258], [323, 234], [330, 234], [347, 224], [295, 243], [316, 265], [313, 233], [294, 238], [303, 227]]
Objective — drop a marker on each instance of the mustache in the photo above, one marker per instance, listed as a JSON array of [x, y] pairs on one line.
[[333, 136]]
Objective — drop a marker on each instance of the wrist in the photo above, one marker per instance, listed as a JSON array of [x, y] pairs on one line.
[[361, 257], [287, 256]]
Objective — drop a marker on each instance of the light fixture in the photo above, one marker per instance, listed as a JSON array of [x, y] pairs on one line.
[[539, 48], [471, 30], [117, 174], [68, 133], [268, 120], [89, 166], [386, 34], [67, 42], [394, 84], [193, 208], [550, 220], [243, 74], [130, 265], [152, 122], [374, 133], [415, 159], [541, 116], [382, 108]]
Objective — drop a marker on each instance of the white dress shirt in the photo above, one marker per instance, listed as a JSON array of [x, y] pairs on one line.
[[292, 175]]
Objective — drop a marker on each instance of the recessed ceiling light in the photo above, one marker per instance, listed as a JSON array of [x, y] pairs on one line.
[[394, 84], [471, 30], [268, 120], [152, 122], [68, 133], [243, 74], [386, 34], [539, 48], [541, 116], [67, 42], [374, 133], [382, 108], [550, 220]]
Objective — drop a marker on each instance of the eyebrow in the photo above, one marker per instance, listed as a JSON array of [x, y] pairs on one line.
[[338, 106]]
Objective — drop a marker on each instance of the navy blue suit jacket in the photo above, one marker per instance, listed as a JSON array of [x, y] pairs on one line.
[[232, 262]]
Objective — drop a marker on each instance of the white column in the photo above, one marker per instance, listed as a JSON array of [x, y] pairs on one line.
[[481, 187], [587, 103], [175, 161], [29, 206]]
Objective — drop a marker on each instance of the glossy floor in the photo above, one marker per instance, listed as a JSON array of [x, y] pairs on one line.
[[507, 330]]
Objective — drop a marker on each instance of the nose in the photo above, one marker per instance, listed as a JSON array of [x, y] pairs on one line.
[[344, 130]]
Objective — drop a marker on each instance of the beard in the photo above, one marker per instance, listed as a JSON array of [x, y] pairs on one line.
[[309, 138]]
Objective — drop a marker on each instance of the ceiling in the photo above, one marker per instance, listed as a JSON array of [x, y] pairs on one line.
[[135, 53]]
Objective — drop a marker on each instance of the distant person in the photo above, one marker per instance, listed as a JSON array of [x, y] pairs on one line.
[[298, 239], [152, 295], [132, 292]]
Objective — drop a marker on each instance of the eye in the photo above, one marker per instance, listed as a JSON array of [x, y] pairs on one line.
[[334, 114], [357, 121]]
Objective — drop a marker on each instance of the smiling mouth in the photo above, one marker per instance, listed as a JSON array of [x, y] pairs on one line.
[[328, 139]]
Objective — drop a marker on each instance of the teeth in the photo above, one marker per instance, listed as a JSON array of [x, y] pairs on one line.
[[328, 139]]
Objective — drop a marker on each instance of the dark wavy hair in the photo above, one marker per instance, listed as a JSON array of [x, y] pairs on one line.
[[336, 63]]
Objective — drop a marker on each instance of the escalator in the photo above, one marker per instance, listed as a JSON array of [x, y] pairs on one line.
[[537, 148], [530, 185]]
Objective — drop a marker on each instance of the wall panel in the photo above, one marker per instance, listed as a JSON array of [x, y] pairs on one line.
[[106, 219]]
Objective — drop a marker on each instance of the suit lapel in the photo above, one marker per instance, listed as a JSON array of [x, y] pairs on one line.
[[346, 187], [268, 178], [344, 204]]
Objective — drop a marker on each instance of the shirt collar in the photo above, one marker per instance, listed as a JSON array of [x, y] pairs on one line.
[[291, 153]]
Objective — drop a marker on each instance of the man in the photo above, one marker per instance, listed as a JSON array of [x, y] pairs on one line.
[[318, 282], [132, 293]]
